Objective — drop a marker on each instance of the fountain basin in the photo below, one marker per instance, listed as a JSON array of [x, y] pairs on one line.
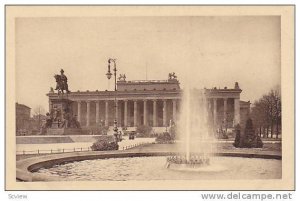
[[27, 167], [152, 168]]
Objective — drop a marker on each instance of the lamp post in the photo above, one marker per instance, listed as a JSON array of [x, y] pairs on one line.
[[109, 74]]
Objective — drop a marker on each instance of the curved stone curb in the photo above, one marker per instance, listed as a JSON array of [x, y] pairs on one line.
[[27, 166]]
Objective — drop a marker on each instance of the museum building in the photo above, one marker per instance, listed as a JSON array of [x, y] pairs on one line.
[[150, 102]]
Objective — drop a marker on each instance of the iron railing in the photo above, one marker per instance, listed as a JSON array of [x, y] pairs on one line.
[[81, 149]]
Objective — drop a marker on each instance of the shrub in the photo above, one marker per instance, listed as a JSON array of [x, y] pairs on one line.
[[102, 145], [165, 138], [249, 139], [173, 131]]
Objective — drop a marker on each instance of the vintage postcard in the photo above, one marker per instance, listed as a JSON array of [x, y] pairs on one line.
[[149, 97]]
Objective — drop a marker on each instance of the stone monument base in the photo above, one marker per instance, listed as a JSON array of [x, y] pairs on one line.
[[64, 131]]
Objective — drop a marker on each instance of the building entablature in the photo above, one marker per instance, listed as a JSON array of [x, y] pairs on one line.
[[110, 95], [223, 96], [222, 93], [141, 94]]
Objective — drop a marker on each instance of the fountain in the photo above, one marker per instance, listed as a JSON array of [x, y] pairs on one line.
[[196, 139], [195, 156]]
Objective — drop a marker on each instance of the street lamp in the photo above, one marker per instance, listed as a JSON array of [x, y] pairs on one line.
[[109, 74]]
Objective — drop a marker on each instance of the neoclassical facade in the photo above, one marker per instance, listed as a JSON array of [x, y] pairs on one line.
[[150, 102]]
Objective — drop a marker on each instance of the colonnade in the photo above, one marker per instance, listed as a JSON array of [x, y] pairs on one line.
[[126, 111], [212, 106]]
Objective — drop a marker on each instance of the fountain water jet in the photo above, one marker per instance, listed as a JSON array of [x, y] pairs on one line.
[[196, 138]]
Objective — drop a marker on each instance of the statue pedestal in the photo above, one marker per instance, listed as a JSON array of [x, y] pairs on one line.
[[55, 125], [61, 104], [63, 121]]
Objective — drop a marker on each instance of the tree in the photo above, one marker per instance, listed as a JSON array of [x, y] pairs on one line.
[[277, 111], [266, 113], [258, 116], [39, 115], [249, 139]]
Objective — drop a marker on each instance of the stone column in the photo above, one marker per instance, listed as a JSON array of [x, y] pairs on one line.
[[97, 113], [116, 111], [87, 113], [236, 111], [215, 111], [145, 113], [225, 111], [79, 111], [205, 111], [106, 113], [154, 113], [135, 113], [165, 113], [174, 110], [209, 111], [209, 105], [125, 113]]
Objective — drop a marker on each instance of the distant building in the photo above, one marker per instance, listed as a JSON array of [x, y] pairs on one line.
[[150, 102], [23, 120]]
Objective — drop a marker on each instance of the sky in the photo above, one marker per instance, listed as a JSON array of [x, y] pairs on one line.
[[204, 51]]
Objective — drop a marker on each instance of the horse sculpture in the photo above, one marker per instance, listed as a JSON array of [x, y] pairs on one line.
[[61, 86]]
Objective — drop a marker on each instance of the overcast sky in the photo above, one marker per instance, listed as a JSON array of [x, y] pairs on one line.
[[209, 51]]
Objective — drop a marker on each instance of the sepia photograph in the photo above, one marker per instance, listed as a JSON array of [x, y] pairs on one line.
[[149, 97]]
